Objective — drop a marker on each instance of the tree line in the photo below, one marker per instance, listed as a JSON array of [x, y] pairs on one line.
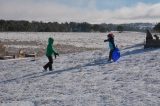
[[35, 26]]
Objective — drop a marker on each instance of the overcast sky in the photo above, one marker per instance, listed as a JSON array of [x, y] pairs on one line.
[[92, 11]]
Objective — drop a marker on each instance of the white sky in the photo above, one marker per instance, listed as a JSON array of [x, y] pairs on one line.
[[61, 12]]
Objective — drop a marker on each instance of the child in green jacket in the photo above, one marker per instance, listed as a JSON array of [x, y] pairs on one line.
[[50, 50]]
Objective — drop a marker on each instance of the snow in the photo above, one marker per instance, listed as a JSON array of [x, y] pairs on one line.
[[21, 103], [77, 39], [85, 78]]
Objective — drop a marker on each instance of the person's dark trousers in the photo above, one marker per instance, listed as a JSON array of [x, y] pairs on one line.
[[110, 54], [49, 64]]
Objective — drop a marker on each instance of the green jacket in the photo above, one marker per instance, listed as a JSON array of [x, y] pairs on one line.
[[50, 49]]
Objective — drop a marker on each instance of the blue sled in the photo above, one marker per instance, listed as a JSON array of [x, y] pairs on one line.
[[116, 54]]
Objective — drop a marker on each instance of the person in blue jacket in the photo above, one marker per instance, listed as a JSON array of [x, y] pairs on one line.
[[111, 44]]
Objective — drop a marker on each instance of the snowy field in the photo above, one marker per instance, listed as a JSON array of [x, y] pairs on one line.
[[77, 39], [84, 78]]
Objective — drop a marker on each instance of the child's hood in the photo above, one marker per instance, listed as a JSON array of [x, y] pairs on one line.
[[50, 41]]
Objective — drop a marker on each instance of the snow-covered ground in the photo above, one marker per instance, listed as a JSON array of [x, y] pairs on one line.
[[77, 39], [85, 78]]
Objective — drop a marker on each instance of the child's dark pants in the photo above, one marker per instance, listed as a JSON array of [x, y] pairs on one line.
[[49, 64], [110, 54]]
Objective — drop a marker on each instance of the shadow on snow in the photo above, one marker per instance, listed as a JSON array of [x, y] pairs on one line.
[[137, 51], [97, 62]]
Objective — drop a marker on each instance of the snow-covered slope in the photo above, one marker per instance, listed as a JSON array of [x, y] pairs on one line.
[[86, 78]]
